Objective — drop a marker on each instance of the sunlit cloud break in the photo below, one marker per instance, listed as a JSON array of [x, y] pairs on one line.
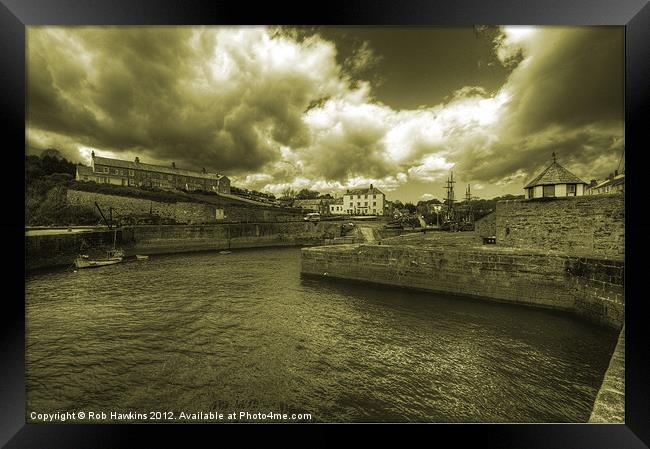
[[277, 109]]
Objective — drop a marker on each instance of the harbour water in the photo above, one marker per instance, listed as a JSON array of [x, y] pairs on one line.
[[244, 331]]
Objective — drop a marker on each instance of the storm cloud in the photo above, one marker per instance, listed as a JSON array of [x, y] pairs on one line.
[[275, 108]]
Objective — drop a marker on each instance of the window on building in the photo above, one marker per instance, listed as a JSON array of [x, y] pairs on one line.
[[131, 173], [366, 203], [105, 169], [358, 203], [571, 190], [530, 192], [549, 191], [374, 203]]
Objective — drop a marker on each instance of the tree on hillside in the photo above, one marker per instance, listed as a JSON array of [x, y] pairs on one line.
[[48, 164], [410, 207], [288, 193], [306, 194]]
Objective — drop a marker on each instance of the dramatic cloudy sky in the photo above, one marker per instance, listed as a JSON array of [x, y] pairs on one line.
[[330, 108]]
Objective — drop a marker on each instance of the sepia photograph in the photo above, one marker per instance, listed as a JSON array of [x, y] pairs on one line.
[[324, 224]]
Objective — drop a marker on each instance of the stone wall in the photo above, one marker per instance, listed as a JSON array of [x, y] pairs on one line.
[[587, 287], [252, 214], [181, 212], [609, 406], [43, 251], [598, 286], [51, 250], [157, 239], [485, 227], [582, 225], [184, 212]]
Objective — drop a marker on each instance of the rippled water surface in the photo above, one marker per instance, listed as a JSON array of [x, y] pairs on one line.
[[244, 331]]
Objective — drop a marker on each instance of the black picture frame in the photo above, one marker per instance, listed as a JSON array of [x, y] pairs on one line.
[[15, 15]]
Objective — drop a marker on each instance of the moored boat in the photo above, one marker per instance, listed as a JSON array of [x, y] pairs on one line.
[[112, 257]]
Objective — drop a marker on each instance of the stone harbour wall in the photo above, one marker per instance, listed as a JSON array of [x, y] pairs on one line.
[[485, 227], [45, 251], [609, 406], [582, 225], [589, 288], [157, 239]]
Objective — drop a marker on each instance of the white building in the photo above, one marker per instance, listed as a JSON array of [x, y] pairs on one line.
[[364, 201], [555, 181], [336, 207]]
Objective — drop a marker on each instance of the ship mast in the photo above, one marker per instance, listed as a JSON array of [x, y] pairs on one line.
[[468, 198], [450, 196]]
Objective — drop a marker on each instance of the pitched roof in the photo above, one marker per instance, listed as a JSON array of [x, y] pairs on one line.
[[554, 174], [616, 180], [151, 167], [367, 191]]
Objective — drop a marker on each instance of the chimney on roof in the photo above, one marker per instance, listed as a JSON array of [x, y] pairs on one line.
[[173, 164], [137, 160], [615, 173], [611, 176], [203, 170], [92, 154], [370, 186]]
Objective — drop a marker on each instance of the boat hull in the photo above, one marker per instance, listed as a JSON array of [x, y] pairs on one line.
[[93, 263]]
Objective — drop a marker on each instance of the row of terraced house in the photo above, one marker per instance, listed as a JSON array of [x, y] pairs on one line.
[[105, 170]]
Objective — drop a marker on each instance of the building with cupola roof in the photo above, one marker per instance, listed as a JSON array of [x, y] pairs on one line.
[[555, 181]]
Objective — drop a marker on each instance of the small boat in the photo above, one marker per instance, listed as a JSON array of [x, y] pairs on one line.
[[112, 257], [225, 252], [141, 257]]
